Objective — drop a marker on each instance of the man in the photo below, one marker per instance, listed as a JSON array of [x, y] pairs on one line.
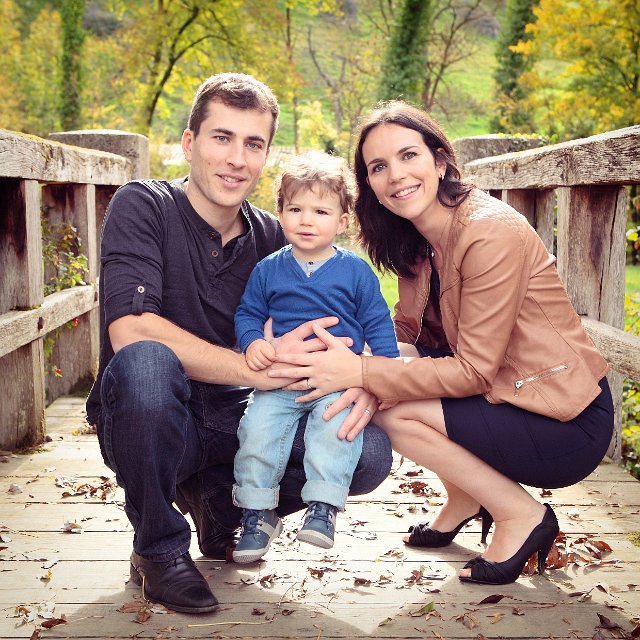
[[171, 389]]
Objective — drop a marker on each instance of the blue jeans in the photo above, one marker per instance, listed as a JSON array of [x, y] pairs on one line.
[[266, 435], [159, 428]]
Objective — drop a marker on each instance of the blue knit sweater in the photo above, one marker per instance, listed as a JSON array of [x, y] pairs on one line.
[[345, 286]]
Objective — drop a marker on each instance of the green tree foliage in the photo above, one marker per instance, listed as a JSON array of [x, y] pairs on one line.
[[512, 114], [72, 14], [594, 85], [143, 59], [403, 68], [29, 72]]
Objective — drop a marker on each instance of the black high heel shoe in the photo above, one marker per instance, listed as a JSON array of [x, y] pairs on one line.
[[540, 540], [423, 536]]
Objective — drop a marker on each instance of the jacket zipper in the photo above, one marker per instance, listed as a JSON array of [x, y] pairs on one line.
[[520, 383], [424, 306]]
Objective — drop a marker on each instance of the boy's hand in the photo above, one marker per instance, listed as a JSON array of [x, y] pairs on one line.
[[259, 355]]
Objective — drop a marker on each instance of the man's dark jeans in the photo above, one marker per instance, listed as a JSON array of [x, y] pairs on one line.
[[158, 428]]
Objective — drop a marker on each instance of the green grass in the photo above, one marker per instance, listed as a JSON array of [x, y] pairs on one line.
[[632, 279], [389, 284]]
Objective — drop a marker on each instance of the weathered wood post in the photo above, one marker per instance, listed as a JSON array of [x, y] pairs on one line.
[[21, 287], [38, 175], [76, 349], [587, 177], [537, 205], [591, 262]]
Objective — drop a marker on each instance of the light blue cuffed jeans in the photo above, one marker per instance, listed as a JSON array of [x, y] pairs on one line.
[[266, 435]]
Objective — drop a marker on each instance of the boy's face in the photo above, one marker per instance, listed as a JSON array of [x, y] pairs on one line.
[[226, 157], [311, 220]]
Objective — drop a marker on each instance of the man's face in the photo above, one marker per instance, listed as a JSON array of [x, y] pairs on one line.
[[226, 157]]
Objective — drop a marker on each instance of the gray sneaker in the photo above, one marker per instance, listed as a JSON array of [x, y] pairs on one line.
[[259, 528], [319, 525]]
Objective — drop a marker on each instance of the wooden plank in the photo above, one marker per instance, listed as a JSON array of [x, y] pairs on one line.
[[537, 206], [18, 328], [387, 546], [607, 158], [89, 570], [373, 517], [22, 421], [75, 581], [591, 262], [30, 157], [591, 250], [20, 245], [21, 286], [619, 348], [327, 617]]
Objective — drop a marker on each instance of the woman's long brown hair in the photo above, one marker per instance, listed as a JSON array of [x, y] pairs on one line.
[[393, 243]]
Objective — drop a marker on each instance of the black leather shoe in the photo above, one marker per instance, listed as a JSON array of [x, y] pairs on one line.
[[214, 540], [176, 584]]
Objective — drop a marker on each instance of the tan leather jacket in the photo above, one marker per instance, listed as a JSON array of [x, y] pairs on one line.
[[507, 318]]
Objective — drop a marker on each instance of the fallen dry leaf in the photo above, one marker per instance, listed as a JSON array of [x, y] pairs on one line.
[[467, 620], [257, 612], [385, 621], [496, 617], [132, 607], [143, 615], [493, 599], [35, 635], [53, 622], [605, 623], [267, 581], [72, 527]]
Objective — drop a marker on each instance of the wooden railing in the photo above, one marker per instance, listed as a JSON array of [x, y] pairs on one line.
[[44, 183], [580, 188]]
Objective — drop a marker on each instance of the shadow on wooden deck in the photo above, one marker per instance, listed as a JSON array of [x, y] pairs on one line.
[[368, 585]]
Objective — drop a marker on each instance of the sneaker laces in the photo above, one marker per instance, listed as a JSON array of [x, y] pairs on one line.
[[321, 512], [250, 521]]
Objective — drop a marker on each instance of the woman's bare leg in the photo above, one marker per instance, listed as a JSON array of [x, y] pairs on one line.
[[417, 431]]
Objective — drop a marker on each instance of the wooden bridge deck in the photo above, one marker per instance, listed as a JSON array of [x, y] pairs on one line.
[[368, 585]]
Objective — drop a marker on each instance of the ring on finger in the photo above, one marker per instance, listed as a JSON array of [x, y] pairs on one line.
[[367, 412], [308, 384]]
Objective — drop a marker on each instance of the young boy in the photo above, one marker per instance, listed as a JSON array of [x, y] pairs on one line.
[[308, 279]]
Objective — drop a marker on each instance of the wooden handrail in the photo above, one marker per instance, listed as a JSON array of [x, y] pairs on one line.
[[32, 158], [619, 348], [608, 158]]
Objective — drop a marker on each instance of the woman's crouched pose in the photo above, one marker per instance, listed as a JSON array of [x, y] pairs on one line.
[[504, 386]]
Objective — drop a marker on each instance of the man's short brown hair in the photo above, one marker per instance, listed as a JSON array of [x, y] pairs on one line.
[[238, 90]]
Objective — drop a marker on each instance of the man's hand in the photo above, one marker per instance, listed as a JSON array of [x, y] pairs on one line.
[[295, 341], [259, 355]]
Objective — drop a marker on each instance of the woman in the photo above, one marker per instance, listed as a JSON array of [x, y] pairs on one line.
[[517, 392]]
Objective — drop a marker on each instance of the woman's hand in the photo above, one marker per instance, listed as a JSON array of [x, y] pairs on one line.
[[320, 372], [364, 407]]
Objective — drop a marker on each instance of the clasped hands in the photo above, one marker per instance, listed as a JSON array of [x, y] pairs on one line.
[[320, 365]]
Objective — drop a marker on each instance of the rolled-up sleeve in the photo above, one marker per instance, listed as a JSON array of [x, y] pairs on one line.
[[132, 242]]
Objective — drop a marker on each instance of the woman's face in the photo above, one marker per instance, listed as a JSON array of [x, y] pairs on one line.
[[401, 170]]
